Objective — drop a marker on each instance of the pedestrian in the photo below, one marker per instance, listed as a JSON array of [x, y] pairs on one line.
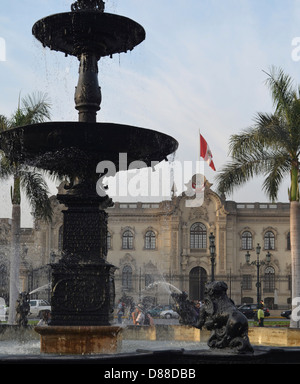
[[197, 308], [260, 316], [148, 319], [140, 315], [120, 311], [45, 320]]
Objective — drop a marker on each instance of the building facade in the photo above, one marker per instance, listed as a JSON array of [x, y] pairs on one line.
[[163, 247]]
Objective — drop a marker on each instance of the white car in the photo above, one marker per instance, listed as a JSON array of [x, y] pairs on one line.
[[3, 313], [169, 314], [37, 307]]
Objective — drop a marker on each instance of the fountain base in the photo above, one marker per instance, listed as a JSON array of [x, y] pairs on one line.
[[83, 340]]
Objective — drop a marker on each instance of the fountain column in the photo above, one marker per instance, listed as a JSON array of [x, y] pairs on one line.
[[88, 93], [83, 293]]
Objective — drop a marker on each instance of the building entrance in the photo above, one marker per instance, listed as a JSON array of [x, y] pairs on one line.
[[197, 281]]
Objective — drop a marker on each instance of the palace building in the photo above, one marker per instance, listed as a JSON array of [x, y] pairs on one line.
[[158, 246]]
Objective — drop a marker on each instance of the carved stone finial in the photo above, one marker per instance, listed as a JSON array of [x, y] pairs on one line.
[[88, 5]]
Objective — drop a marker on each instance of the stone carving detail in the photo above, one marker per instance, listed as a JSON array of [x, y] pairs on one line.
[[83, 281], [82, 294]]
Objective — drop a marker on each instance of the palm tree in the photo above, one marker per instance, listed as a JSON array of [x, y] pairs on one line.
[[32, 109], [271, 148]]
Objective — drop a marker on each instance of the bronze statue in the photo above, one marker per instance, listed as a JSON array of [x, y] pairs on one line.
[[228, 325], [22, 309], [185, 309]]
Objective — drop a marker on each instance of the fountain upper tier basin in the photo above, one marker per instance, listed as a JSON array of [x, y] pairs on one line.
[[75, 148], [75, 33]]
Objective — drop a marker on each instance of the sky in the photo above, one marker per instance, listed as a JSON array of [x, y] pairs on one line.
[[201, 67]]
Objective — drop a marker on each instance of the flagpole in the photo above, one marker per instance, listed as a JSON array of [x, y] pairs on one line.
[[199, 151], [199, 146]]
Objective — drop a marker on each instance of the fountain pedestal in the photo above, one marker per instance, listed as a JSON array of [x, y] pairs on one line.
[[83, 290], [72, 340]]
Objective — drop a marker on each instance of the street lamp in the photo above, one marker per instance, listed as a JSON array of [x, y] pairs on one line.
[[258, 263], [212, 249]]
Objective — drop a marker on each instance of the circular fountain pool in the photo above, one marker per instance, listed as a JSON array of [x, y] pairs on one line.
[[32, 347]]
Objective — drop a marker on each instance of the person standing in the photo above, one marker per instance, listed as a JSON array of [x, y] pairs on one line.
[[120, 311], [148, 320], [140, 315], [260, 316]]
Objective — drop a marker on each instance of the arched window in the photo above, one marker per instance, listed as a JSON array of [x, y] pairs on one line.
[[148, 280], [127, 240], [127, 277], [269, 241], [198, 236], [197, 281], [269, 279], [150, 240], [247, 240]]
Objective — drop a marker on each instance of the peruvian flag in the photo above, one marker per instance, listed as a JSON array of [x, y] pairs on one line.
[[205, 152]]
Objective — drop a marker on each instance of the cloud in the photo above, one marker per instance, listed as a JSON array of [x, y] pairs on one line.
[[200, 67]]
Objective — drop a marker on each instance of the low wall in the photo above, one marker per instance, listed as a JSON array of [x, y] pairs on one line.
[[165, 332], [283, 337], [266, 336]]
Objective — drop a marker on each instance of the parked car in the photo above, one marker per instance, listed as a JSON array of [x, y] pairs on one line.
[[38, 307], [154, 312], [286, 314], [169, 314], [250, 310]]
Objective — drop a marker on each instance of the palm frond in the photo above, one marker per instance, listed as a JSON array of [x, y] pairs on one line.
[[282, 90], [36, 191], [235, 174], [277, 168], [272, 131], [6, 170], [245, 143], [270, 147], [33, 109], [36, 107], [4, 123], [257, 163]]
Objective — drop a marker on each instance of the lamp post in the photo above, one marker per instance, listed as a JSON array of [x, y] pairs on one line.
[[258, 264], [212, 249]]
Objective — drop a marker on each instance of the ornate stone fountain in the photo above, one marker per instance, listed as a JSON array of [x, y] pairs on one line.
[[83, 281]]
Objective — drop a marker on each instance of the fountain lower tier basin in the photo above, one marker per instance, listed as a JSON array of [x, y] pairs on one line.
[[99, 33], [82, 340], [171, 345], [73, 148]]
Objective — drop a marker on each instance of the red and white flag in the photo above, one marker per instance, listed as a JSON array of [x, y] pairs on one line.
[[205, 152]]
